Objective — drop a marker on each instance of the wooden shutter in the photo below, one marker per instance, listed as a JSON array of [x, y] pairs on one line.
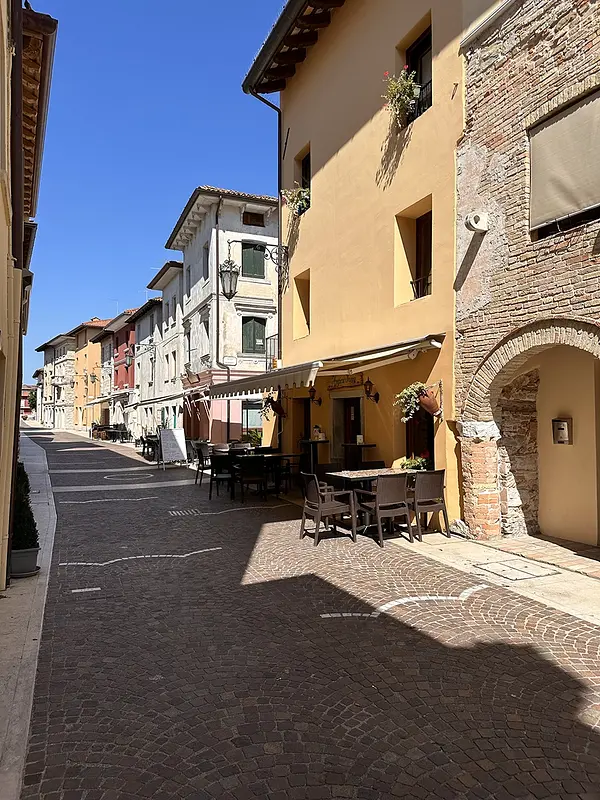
[[259, 335], [253, 260], [247, 334]]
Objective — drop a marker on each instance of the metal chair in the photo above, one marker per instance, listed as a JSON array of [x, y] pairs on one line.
[[220, 472], [388, 501], [321, 505], [429, 497], [203, 455], [250, 471]]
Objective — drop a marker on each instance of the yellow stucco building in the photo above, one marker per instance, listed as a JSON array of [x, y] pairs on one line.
[[88, 372], [26, 54], [367, 305]]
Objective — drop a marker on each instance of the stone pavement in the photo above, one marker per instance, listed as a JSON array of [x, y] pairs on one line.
[[573, 556], [211, 654]]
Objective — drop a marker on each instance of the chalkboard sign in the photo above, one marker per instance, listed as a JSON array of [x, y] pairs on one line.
[[172, 445]]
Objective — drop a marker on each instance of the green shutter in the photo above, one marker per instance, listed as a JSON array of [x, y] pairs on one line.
[[253, 335], [259, 335], [247, 334], [253, 260]]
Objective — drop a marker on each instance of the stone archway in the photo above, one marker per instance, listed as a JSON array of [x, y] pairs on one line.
[[480, 425]]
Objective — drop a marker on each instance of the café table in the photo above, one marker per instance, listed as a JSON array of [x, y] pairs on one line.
[[365, 476]]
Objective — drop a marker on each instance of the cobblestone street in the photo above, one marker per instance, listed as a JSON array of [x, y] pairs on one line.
[[213, 654]]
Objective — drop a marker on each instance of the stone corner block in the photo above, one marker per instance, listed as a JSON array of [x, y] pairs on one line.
[[478, 431]]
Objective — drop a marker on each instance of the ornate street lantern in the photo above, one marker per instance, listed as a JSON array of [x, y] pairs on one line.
[[229, 272]]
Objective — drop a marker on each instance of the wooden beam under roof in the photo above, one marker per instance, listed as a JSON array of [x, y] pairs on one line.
[[305, 39], [314, 20], [327, 4], [290, 56], [283, 71], [272, 86]]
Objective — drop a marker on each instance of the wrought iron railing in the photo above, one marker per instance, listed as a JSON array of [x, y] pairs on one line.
[[421, 287], [424, 101], [271, 352]]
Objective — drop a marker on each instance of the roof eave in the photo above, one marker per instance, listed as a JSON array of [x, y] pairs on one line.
[[280, 30]]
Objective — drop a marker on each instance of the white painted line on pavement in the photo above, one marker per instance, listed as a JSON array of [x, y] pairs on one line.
[[100, 469], [192, 512], [93, 589], [464, 595], [132, 558], [106, 500], [105, 488], [128, 477]]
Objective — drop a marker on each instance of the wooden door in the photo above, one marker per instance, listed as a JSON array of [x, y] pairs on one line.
[[352, 419]]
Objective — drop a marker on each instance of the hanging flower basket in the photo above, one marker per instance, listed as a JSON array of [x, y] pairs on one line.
[[270, 403], [401, 94], [417, 396]]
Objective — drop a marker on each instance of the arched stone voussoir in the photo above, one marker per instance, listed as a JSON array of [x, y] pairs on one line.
[[505, 359]]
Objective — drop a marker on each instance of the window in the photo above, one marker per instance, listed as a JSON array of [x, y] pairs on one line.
[[250, 218], [251, 421], [301, 305], [253, 260], [188, 347], [166, 315], [423, 246], [205, 259], [152, 323], [167, 368], [303, 177], [188, 280], [565, 168], [305, 172], [173, 310], [418, 59], [174, 363], [253, 335]]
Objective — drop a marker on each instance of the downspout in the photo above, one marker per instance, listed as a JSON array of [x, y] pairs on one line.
[[17, 191], [218, 312], [279, 208]]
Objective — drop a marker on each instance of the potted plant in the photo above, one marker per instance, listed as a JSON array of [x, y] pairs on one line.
[[414, 462], [402, 93], [298, 199], [270, 403], [416, 396], [25, 543]]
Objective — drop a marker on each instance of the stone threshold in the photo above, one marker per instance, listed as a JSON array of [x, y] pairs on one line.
[[564, 554]]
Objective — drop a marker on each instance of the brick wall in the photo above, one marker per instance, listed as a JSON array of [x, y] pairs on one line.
[[539, 56]]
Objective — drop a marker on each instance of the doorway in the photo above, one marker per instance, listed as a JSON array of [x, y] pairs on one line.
[[347, 423], [420, 437]]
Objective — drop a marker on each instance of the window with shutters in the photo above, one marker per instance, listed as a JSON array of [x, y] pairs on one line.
[[253, 260], [205, 260], [188, 280], [252, 218], [253, 335], [422, 282], [418, 60]]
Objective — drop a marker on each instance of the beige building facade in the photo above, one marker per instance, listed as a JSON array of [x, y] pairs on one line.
[[528, 296], [367, 305], [26, 55], [87, 374]]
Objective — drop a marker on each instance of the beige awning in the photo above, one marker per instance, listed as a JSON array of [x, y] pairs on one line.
[[300, 375], [305, 374], [565, 163]]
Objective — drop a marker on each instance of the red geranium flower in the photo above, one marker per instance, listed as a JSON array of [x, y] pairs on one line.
[[386, 74]]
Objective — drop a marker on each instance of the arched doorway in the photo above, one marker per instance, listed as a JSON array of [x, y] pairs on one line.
[[516, 480]]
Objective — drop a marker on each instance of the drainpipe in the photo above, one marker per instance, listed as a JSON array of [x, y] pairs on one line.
[[218, 312], [279, 205]]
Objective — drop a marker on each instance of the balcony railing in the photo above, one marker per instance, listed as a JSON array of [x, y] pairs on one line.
[[421, 287], [271, 352], [424, 101]]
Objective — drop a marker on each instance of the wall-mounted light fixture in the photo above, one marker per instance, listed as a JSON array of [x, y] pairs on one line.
[[369, 391], [229, 272], [312, 393]]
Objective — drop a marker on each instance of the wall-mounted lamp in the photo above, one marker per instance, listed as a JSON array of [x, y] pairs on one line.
[[229, 272], [312, 393], [369, 391]]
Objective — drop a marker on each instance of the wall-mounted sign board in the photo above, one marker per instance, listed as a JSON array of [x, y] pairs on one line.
[[346, 382], [172, 445]]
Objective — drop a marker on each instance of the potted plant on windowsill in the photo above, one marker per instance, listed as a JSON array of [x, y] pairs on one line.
[[25, 542], [402, 93], [417, 396], [297, 199]]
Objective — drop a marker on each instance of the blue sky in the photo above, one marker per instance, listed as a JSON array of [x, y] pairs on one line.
[[146, 104]]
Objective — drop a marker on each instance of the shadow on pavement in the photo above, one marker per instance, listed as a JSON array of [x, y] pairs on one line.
[[215, 675]]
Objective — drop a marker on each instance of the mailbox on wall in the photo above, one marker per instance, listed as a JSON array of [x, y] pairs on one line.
[[562, 431]]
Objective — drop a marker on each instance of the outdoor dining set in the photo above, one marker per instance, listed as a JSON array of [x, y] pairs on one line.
[[371, 495]]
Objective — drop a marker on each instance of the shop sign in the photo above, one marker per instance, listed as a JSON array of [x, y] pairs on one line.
[[346, 382]]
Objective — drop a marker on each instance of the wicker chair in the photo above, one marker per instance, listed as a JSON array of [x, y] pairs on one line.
[[250, 471], [321, 505], [202, 453], [429, 497], [220, 472], [389, 500]]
